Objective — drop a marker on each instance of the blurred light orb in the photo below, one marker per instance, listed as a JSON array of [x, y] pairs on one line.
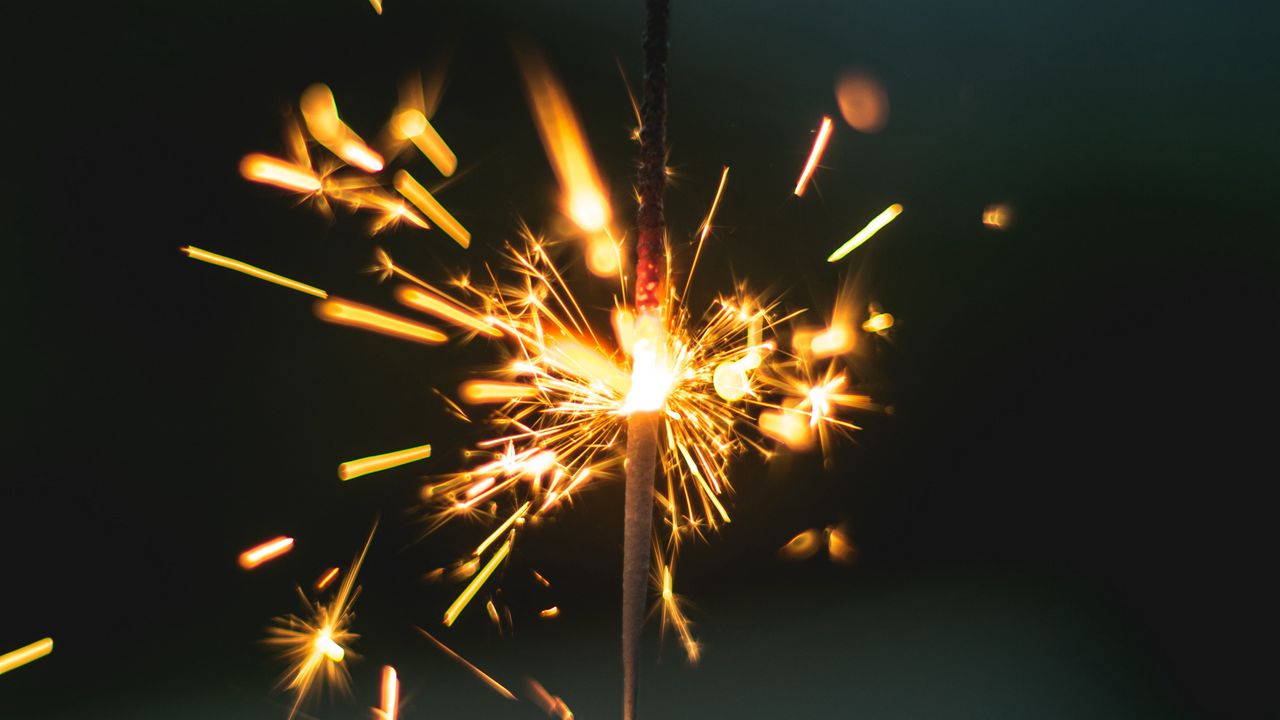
[[863, 101]]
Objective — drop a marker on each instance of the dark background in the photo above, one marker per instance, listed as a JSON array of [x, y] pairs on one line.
[[1062, 519]]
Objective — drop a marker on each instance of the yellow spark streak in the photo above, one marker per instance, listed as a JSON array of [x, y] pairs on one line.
[[538, 576], [377, 463], [819, 145], [478, 392], [584, 198], [280, 173], [879, 221], [390, 693], [196, 253], [326, 645], [431, 207], [474, 670], [835, 340], [501, 529], [553, 611], [997, 217], [445, 310], [320, 112], [706, 229], [461, 603], [327, 578], [345, 312], [787, 427], [839, 547], [23, 655], [552, 705], [879, 322], [377, 8], [410, 124], [270, 550]]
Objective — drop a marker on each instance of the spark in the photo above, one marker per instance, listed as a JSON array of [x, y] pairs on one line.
[[706, 229], [377, 8], [802, 547], [377, 463], [552, 705], [835, 340], [673, 614], [819, 145], [412, 125], [445, 310], [316, 646], [997, 217], [320, 112], [269, 550], [480, 579], [463, 661], [390, 693], [541, 580], [426, 202], [281, 173], [327, 578], [863, 235], [23, 655], [196, 253], [345, 312], [550, 612], [878, 322], [485, 391]]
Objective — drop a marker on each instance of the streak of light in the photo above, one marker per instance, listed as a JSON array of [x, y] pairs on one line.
[[345, 312], [478, 392], [706, 229], [320, 112], [839, 547], [835, 340], [541, 580], [410, 124], [819, 145], [377, 8], [326, 578], [863, 235], [553, 611], [481, 577], [474, 670], [426, 202], [377, 463], [269, 550], [196, 253], [583, 196], [445, 310], [325, 644], [802, 546], [877, 323], [552, 705], [280, 173], [515, 517], [787, 427], [23, 655], [390, 693]]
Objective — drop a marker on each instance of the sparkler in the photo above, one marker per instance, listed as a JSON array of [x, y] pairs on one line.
[[688, 390]]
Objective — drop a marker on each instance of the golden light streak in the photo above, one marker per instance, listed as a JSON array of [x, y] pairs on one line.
[[584, 199], [426, 202], [706, 229], [377, 463], [410, 124], [478, 392], [326, 645], [837, 339], [515, 517], [390, 693], [550, 612], [326, 578], [839, 547], [552, 705], [878, 323], [196, 253], [280, 173], [863, 235], [474, 670], [320, 112], [673, 615], [377, 8], [269, 550], [541, 580], [787, 427], [460, 604], [345, 312], [23, 655], [445, 310], [819, 146]]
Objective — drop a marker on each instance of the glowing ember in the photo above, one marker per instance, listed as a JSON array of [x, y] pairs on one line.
[[23, 655], [270, 550], [863, 235], [815, 155]]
